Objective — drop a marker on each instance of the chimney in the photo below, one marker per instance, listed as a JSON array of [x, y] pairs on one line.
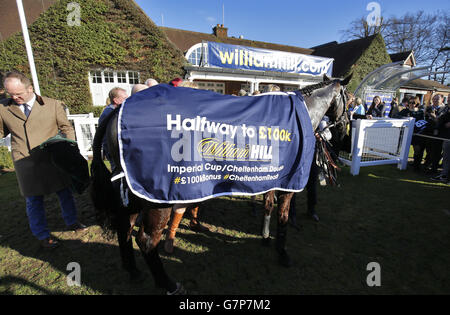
[[220, 31]]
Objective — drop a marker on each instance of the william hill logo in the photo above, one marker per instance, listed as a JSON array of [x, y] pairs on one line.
[[223, 55], [213, 148]]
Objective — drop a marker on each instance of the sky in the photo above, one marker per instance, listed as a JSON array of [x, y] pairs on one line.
[[301, 23]]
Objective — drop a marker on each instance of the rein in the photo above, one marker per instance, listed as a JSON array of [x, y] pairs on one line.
[[323, 157]]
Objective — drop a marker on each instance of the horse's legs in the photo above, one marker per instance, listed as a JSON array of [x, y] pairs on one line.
[[284, 201], [126, 246], [311, 189], [253, 204], [293, 213], [177, 216], [149, 236], [269, 200], [195, 224]]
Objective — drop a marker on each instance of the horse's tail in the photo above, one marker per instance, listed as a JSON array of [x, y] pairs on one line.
[[103, 195]]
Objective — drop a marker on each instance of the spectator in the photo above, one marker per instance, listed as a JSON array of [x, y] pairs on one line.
[[417, 102], [360, 111], [434, 146], [412, 111], [394, 108], [242, 92], [256, 92], [117, 96], [176, 82], [31, 120], [376, 108], [138, 87], [421, 125], [350, 106], [444, 132], [189, 84], [273, 88], [151, 82], [404, 104]]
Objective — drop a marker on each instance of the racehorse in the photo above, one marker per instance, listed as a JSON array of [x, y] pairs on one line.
[[338, 126], [112, 214]]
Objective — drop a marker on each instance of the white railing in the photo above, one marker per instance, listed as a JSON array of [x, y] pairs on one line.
[[85, 126], [6, 142], [379, 142]]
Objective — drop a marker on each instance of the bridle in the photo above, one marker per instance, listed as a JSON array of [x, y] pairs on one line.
[[343, 117], [323, 156]]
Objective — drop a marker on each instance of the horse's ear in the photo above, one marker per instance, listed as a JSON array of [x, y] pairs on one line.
[[347, 80], [326, 78]]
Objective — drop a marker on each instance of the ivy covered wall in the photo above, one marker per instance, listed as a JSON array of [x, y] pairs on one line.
[[114, 34], [372, 58]]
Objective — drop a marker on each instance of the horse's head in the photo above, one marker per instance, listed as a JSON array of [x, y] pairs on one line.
[[338, 116], [329, 98], [326, 98]]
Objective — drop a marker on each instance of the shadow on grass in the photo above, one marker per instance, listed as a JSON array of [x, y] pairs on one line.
[[10, 281], [383, 215], [399, 219]]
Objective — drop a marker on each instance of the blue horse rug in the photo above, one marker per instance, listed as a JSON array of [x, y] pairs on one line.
[[183, 145]]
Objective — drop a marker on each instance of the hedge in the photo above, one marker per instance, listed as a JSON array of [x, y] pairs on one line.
[[372, 58], [5, 158]]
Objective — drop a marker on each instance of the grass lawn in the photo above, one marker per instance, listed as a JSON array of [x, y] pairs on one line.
[[399, 219]]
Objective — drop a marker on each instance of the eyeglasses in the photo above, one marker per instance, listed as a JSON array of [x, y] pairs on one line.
[[17, 94]]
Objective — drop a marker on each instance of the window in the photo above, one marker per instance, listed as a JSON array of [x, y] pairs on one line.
[[245, 87], [218, 87], [109, 77], [290, 88], [121, 77], [96, 76], [101, 82], [133, 77], [195, 57], [194, 54]]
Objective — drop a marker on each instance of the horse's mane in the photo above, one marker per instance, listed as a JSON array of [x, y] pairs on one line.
[[307, 90]]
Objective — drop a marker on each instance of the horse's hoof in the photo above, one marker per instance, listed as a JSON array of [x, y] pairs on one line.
[[315, 217], [168, 246], [198, 227], [180, 290], [284, 259], [266, 241]]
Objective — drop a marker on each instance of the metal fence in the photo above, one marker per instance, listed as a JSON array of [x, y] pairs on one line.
[[379, 142]]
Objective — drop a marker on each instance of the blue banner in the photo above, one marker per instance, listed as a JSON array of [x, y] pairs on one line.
[[186, 145], [386, 97], [250, 58]]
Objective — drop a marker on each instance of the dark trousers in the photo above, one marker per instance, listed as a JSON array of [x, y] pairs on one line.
[[36, 212], [435, 153]]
